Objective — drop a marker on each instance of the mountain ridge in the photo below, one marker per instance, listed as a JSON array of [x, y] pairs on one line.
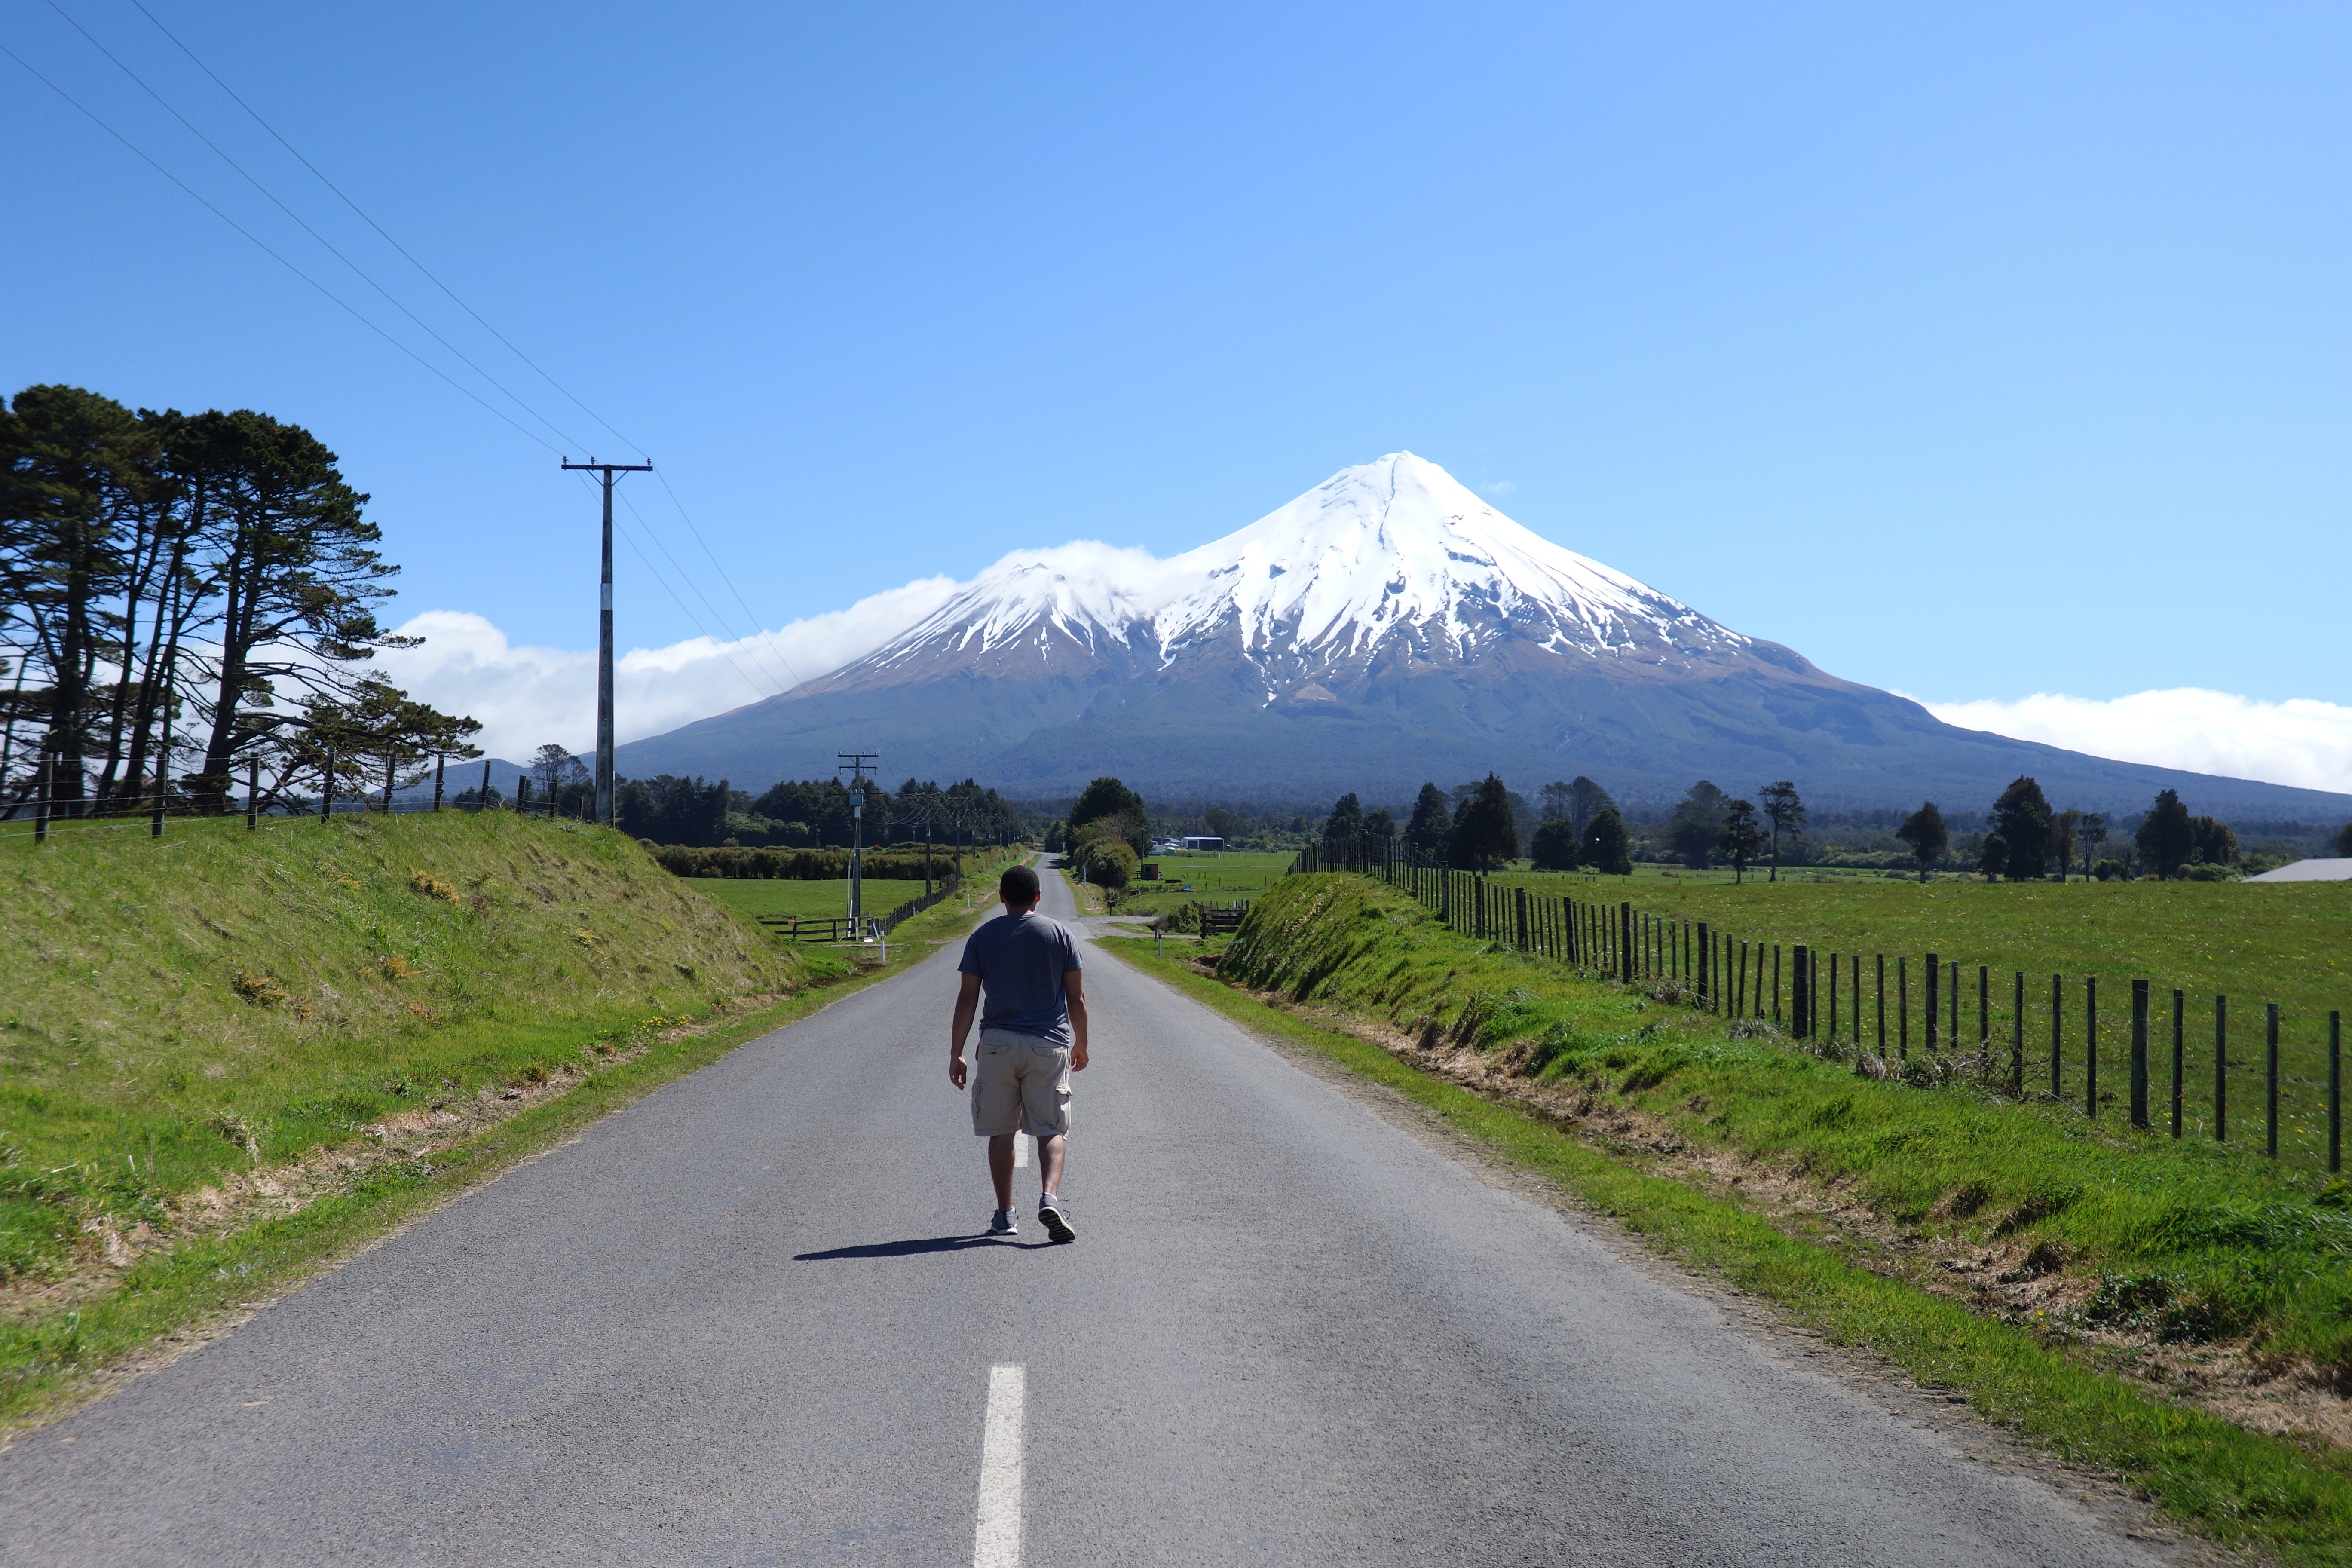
[[1385, 627]]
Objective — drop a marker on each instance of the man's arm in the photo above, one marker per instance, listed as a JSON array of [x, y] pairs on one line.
[[1074, 992], [967, 1005]]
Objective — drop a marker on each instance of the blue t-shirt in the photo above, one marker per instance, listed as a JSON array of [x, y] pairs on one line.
[[1021, 960]]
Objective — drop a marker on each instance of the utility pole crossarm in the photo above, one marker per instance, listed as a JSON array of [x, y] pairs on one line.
[[605, 638]]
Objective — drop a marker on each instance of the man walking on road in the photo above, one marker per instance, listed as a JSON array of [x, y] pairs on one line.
[[1033, 1036]]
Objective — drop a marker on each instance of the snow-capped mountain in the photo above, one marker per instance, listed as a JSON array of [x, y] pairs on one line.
[[1394, 563], [1387, 628]]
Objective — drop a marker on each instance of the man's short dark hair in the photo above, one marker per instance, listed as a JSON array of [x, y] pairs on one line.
[[1018, 886]]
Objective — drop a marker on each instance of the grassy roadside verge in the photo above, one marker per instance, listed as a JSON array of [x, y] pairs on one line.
[[179, 1293], [2217, 1478]]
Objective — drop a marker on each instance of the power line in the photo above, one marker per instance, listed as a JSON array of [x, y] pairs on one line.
[[759, 633], [764, 639], [330, 245], [264, 248], [380, 229]]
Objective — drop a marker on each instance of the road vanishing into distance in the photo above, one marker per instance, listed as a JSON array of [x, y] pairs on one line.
[[754, 1319]]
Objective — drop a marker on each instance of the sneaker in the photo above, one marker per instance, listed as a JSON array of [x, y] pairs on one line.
[[1055, 1218], [1003, 1223]]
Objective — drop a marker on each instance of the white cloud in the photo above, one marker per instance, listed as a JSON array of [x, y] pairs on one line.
[[2299, 741], [1499, 489], [526, 697]]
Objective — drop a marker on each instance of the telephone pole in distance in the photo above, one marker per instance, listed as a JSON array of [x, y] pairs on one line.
[[604, 641], [855, 764]]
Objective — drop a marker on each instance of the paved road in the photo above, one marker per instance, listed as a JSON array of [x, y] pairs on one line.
[[751, 1321]]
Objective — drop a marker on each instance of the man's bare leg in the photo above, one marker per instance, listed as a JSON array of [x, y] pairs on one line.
[[1049, 1163], [1000, 1166]]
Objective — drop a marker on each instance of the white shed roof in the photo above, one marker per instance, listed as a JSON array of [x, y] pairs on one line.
[[2331, 870]]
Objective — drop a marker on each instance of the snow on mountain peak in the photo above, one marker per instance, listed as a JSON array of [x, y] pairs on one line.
[[1396, 545]]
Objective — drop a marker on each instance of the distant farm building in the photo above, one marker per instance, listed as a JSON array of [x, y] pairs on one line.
[[1203, 841]]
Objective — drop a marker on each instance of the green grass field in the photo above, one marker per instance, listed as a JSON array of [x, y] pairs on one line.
[[2153, 1266], [1216, 878], [808, 900], [2253, 943]]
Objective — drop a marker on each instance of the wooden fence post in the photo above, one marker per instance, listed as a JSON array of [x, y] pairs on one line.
[[2139, 1053], [2017, 1041], [2220, 1070], [2177, 1056], [1935, 966], [2334, 1091], [2270, 1095], [2091, 1045], [1798, 1002]]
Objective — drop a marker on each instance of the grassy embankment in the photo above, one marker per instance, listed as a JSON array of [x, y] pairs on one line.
[[2105, 1291], [2285, 942], [227, 1057]]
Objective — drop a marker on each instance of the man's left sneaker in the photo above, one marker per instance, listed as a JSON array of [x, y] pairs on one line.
[[1003, 1223], [1056, 1220]]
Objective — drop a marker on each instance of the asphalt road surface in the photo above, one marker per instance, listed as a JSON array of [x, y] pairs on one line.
[[754, 1319]]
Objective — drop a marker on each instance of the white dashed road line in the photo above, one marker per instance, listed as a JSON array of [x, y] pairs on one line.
[[1020, 1151], [996, 1540]]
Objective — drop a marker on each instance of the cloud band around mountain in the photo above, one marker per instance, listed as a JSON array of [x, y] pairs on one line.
[[2299, 741]]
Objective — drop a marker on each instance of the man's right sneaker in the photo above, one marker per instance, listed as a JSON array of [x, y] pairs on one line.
[[1003, 1223], [1056, 1221]]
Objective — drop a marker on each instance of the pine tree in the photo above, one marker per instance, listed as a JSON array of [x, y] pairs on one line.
[[2021, 817], [2167, 836], [1554, 848], [1924, 832], [1485, 836], [1608, 847], [1431, 827]]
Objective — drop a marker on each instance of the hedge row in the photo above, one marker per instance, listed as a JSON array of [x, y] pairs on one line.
[[800, 865]]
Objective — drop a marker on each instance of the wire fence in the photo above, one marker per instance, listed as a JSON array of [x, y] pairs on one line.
[[38, 815], [2190, 1063]]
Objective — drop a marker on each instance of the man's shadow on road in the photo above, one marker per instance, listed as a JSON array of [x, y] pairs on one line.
[[914, 1249]]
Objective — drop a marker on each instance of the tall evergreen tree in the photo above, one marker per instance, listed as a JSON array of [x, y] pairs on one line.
[[1554, 848], [1485, 836], [1924, 832], [2021, 817], [1696, 826], [1993, 859], [1743, 835], [1346, 823], [1608, 847], [2167, 836], [1431, 831]]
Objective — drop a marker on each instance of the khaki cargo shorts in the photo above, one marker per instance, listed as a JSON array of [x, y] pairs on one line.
[[1020, 1084]]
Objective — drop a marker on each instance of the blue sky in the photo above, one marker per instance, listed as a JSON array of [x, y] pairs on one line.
[[1975, 354]]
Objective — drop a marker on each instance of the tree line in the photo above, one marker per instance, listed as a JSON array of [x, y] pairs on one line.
[[806, 813], [2025, 840], [1580, 827], [188, 603]]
